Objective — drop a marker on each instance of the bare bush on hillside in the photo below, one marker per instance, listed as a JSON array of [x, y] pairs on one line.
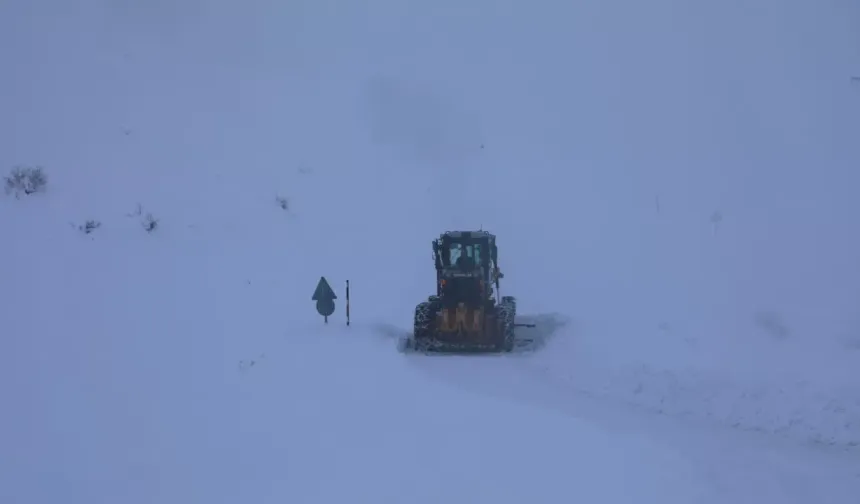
[[149, 223], [89, 226], [27, 180]]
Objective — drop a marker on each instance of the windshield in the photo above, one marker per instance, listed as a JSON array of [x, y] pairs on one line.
[[465, 256]]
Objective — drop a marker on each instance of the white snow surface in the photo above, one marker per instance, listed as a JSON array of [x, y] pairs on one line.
[[672, 185]]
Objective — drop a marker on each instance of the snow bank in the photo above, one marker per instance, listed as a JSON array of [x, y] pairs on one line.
[[202, 403], [811, 404], [798, 410]]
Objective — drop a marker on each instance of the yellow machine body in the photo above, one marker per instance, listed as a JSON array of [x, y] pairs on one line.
[[462, 323]]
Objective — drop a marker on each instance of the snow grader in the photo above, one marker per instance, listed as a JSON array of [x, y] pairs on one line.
[[467, 313]]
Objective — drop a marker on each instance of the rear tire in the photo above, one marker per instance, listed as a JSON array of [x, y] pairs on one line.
[[505, 317], [511, 303]]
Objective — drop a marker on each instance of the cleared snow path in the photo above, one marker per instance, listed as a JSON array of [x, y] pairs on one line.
[[311, 414], [739, 466]]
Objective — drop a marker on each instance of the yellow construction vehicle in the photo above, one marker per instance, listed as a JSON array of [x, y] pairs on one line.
[[466, 313]]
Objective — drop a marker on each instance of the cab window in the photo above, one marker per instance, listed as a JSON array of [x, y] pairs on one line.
[[465, 254]]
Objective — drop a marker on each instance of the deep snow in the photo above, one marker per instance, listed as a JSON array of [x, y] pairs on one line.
[[674, 181]]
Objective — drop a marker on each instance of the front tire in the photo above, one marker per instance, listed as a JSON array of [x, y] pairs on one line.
[[423, 320]]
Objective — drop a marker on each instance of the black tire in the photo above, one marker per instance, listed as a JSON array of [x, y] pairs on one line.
[[510, 338], [505, 318], [511, 303], [423, 320]]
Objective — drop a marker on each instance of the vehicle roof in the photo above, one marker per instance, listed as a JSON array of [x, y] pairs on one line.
[[468, 234]]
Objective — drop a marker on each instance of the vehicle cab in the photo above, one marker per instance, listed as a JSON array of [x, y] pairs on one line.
[[465, 265]]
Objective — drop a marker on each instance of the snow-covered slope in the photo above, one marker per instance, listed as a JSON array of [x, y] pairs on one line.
[[673, 180]]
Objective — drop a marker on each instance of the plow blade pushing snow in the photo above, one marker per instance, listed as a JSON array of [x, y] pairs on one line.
[[528, 337]]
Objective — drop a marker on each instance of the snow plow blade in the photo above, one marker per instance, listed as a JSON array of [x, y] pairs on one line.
[[524, 341]]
